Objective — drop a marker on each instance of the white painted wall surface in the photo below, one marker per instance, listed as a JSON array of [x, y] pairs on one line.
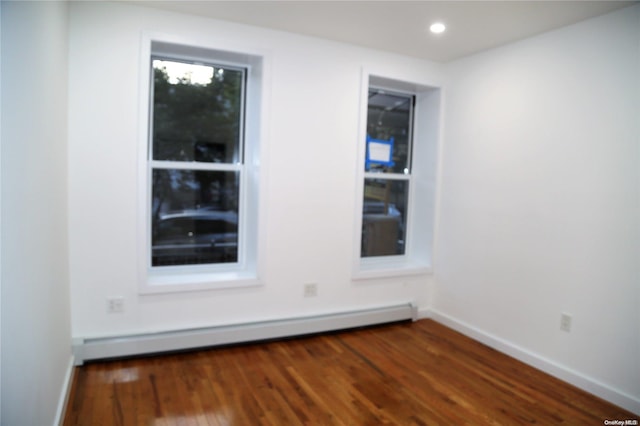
[[310, 156], [540, 205], [36, 330]]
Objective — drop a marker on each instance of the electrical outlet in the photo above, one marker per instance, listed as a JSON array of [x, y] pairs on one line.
[[310, 290], [565, 322], [115, 305]]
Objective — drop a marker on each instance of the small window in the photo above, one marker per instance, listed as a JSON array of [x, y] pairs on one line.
[[387, 176], [196, 162], [399, 138]]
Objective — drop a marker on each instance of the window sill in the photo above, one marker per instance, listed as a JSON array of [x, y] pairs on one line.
[[382, 268], [172, 282]]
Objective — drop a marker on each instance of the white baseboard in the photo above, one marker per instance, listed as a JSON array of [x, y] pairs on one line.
[[64, 393], [424, 313], [551, 367], [121, 346]]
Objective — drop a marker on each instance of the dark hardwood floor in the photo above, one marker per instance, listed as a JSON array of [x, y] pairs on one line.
[[418, 373]]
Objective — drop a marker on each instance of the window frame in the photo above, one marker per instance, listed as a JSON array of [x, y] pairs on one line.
[[405, 177], [248, 269], [423, 162], [237, 167]]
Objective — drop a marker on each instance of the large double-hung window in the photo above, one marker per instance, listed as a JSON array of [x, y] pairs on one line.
[[202, 168], [196, 156]]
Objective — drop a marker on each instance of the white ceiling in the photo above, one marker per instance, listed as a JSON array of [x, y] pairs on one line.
[[402, 26]]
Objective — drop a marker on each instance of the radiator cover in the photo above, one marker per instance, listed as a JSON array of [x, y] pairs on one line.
[[141, 344]]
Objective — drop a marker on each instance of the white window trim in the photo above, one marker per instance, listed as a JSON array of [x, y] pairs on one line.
[[248, 271], [419, 235]]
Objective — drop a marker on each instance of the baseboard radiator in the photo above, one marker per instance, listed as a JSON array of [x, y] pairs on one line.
[[143, 344]]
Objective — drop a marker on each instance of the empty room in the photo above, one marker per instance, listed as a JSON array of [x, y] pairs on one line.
[[301, 212]]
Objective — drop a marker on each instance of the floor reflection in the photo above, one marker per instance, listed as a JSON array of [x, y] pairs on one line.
[[120, 375]]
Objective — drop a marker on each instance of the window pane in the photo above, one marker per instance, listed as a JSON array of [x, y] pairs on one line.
[[384, 217], [389, 116], [197, 112], [194, 217]]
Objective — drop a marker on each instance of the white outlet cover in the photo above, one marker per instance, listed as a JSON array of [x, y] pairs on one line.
[[310, 290], [565, 322], [115, 304]]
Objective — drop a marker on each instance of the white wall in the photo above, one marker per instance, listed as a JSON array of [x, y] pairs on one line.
[[310, 155], [539, 196], [540, 205], [36, 331]]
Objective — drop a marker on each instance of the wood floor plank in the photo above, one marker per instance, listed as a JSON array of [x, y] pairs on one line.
[[419, 373]]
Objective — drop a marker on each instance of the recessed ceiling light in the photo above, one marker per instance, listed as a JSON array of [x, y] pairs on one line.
[[437, 27]]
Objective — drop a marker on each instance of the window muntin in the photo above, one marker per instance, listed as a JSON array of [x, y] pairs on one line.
[[195, 160], [386, 186]]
